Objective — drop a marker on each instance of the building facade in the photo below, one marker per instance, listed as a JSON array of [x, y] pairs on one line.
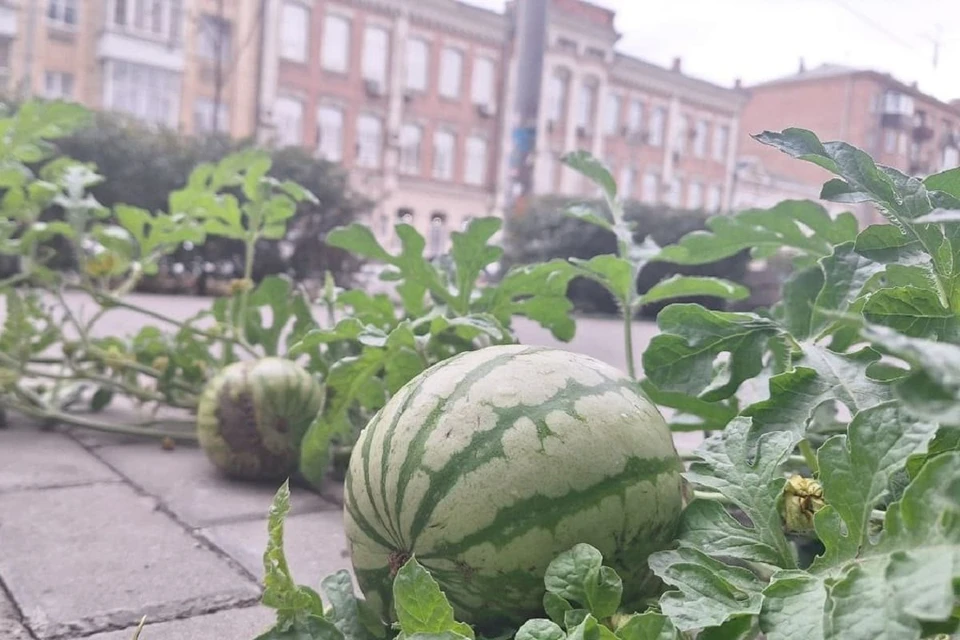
[[170, 63], [897, 124]]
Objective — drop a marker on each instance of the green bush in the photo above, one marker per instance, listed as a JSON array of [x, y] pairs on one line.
[[544, 233]]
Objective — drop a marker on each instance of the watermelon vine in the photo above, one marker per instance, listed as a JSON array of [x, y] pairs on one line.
[[826, 501]]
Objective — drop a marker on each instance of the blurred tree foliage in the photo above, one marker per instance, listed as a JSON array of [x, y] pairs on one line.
[[544, 232]]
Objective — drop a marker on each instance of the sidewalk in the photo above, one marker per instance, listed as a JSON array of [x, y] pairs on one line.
[[98, 531]]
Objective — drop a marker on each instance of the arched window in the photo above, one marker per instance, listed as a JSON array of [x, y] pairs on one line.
[[438, 233]]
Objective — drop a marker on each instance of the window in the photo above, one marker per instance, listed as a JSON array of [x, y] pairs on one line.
[[330, 133], [214, 38], [58, 85], [547, 178], [203, 120], [657, 118], [443, 145], [5, 44], [482, 81], [411, 137], [611, 120], [593, 52], [588, 96], [902, 146], [375, 45], [369, 141], [288, 117], [557, 97], [148, 17], [148, 93], [336, 43], [626, 182], [694, 195], [648, 191], [438, 234], [889, 140], [566, 44], [63, 12], [294, 25], [635, 116], [951, 158], [451, 70], [674, 193], [418, 52], [895, 102], [721, 137], [713, 198], [700, 139], [683, 131], [475, 168]]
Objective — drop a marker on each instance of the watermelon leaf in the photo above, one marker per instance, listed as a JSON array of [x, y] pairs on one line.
[[680, 286], [579, 575], [648, 626], [540, 629], [556, 607], [420, 605], [345, 608]]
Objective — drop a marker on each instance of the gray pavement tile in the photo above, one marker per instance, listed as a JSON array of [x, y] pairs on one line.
[[10, 627], [193, 489], [233, 624], [31, 458], [84, 559], [314, 543]]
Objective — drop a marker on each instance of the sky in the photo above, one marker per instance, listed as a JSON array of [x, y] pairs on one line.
[[757, 40]]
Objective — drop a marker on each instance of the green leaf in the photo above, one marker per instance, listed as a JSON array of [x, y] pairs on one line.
[[939, 216], [947, 181], [946, 441], [888, 244], [911, 310], [855, 469], [304, 628], [587, 629], [749, 477], [344, 606], [568, 574], [932, 390], [538, 292], [712, 416], [710, 592], [890, 587], [540, 629], [800, 292], [648, 626], [556, 607], [101, 398], [706, 525], [420, 605], [764, 231], [614, 273], [820, 376], [589, 214], [359, 239], [680, 286], [471, 253], [586, 164], [845, 274], [275, 293], [681, 358]]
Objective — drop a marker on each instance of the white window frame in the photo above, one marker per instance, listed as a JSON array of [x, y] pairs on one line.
[[694, 195], [611, 114], [294, 30], [437, 234], [286, 109], [650, 188], [586, 104], [635, 116], [417, 79], [411, 149], [58, 12], [335, 56], [721, 138], [450, 82], [376, 53], [369, 141], [475, 161], [700, 138], [627, 177], [481, 83], [557, 90], [444, 159], [150, 94], [675, 193], [714, 198], [203, 116], [213, 31], [58, 85], [138, 18], [330, 132], [658, 120]]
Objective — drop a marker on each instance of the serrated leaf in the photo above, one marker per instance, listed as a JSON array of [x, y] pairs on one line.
[[856, 468], [712, 416], [892, 585], [471, 253], [420, 605], [710, 592], [845, 274], [540, 629], [616, 274], [586, 164], [910, 310], [818, 377], [681, 358], [764, 230], [304, 628], [647, 626], [538, 292], [886, 243], [344, 609], [680, 286], [359, 239], [749, 477], [706, 525], [800, 292]]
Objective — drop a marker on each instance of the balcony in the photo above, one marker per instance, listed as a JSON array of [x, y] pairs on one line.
[[116, 44]]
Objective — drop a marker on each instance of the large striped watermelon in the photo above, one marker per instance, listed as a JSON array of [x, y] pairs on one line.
[[491, 463], [253, 415]]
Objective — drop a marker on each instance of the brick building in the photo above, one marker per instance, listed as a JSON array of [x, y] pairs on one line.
[[896, 123]]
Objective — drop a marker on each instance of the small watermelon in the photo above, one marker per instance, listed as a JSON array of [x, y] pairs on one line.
[[253, 415], [488, 465]]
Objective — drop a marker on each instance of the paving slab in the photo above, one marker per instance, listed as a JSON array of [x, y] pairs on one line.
[[10, 627], [314, 543], [83, 559], [233, 624], [32, 458], [193, 489]]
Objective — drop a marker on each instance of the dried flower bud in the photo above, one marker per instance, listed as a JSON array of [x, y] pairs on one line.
[[803, 497]]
